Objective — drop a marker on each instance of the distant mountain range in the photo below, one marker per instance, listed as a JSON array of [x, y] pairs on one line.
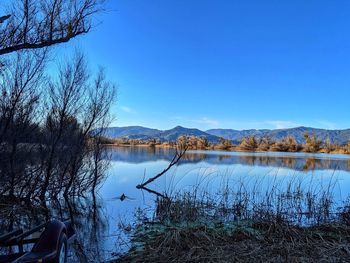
[[143, 133], [213, 135], [336, 136]]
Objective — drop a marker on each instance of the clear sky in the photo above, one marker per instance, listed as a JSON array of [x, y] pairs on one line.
[[229, 64]]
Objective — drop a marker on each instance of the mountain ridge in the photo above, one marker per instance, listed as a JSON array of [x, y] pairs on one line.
[[335, 136]]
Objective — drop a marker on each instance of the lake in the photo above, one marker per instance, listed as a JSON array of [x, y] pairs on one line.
[[209, 171]]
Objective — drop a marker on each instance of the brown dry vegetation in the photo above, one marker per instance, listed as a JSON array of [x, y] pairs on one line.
[[249, 144], [289, 226], [257, 243]]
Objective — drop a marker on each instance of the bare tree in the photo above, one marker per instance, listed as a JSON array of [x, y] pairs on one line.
[[78, 107], [35, 24], [101, 94], [66, 95], [20, 90]]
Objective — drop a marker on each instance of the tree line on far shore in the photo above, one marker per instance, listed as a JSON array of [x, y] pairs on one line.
[[312, 144]]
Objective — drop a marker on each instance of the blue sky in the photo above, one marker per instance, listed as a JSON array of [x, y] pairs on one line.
[[229, 64]]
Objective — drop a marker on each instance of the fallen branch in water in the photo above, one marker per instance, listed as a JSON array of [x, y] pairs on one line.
[[178, 155]]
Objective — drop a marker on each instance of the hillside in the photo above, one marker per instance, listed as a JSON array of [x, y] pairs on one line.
[[336, 136], [213, 135], [173, 134], [142, 133], [130, 131]]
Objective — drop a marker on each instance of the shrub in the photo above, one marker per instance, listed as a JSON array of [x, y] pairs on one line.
[[312, 143], [249, 144]]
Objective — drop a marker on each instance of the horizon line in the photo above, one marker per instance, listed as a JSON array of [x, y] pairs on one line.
[[180, 126]]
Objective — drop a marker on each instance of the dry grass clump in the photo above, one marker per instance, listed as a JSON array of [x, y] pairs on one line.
[[259, 242]]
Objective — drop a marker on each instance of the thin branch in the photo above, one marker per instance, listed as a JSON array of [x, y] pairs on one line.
[[51, 22], [41, 44], [178, 155], [4, 18]]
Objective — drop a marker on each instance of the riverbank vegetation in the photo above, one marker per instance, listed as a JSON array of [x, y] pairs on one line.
[[249, 144], [295, 224]]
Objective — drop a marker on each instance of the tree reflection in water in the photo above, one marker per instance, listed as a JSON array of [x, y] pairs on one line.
[[295, 161]]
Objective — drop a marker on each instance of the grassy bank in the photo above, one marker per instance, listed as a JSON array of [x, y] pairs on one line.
[[238, 226], [259, 242]]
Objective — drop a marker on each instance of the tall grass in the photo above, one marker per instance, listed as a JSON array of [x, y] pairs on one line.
[[292, 202], [288, 221]]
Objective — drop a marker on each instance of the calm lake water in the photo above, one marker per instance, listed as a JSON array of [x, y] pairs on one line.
[[209, 171]]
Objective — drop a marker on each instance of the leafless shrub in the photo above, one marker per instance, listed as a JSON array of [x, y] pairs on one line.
[[47, 141]]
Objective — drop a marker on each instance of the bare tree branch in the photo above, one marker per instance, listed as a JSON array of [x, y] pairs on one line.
[[3, 18], [36, 24], [178, 155]]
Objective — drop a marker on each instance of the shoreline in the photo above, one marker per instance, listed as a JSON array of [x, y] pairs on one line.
[[231, 149]]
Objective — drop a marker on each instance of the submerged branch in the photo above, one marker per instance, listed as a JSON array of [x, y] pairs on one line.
[[178, 155], [154, 192]]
